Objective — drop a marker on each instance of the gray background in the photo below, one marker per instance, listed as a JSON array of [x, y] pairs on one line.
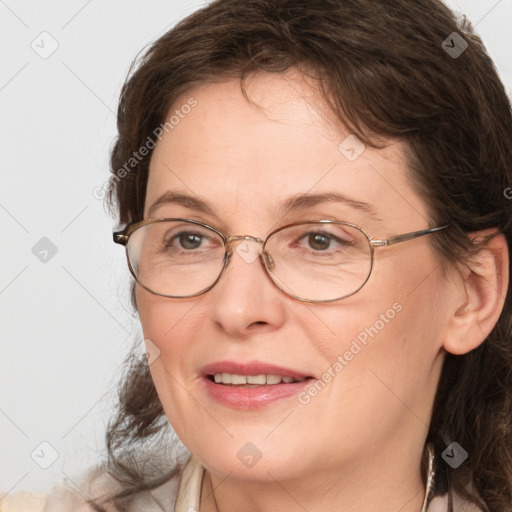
[[66, 321]]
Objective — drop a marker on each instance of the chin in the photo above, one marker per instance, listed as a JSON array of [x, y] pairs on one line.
[[259, 460]]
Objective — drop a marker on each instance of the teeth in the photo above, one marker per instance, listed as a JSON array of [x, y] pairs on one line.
[[261, 380], [256, 379], [273, 379], [237, 379]]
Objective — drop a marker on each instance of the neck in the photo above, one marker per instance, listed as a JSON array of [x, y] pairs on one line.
[[385, 483]]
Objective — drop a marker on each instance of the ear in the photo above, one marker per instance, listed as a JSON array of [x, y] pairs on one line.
[[479, 296]]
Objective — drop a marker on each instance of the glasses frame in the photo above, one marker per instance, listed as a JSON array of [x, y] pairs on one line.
[[122, 238]]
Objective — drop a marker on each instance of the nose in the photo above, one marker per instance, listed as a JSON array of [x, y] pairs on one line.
[[245, 297], [248, 254]]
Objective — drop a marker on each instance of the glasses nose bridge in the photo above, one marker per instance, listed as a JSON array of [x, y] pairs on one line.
[[230, 239], [268, 262]]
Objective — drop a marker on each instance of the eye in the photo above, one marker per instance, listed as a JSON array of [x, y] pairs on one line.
[[189, 240], [323, 241], [319, 241]]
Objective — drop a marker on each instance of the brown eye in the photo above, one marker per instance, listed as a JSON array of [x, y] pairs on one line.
[[318, 241], [322, 241], [189, 240]]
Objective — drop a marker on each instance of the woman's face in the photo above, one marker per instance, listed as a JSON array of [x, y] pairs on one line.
[[373, 358]]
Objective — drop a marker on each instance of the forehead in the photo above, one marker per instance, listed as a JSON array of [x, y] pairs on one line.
[[247, 157]]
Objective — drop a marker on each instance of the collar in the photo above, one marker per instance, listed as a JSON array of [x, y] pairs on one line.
[[189, 492], [188, 497]]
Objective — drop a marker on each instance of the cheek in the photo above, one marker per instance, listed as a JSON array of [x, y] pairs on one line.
[[386, 337], [163, 319], [169, 325]]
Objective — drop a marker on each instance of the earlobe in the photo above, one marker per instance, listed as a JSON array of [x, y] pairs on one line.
[[480, 296]]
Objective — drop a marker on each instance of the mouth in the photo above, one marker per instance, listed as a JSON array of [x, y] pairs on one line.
[[253, 381], [252, 385]]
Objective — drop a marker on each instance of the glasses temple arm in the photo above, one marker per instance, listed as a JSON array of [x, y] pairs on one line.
[[406, 236]]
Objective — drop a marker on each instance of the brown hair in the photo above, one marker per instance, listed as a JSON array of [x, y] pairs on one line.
[[383, 71]]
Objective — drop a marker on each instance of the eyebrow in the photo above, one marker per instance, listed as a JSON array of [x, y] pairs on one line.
[[293, 203]]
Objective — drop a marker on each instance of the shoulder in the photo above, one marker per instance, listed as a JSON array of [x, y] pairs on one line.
[[74, 494], [98, 485], [23, 502]]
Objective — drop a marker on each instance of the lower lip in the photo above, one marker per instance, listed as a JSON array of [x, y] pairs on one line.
[[253, 398]]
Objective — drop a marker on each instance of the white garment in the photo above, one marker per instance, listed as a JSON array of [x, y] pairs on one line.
[[180, 494]]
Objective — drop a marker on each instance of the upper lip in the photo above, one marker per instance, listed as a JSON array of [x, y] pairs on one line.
[[251, 368]]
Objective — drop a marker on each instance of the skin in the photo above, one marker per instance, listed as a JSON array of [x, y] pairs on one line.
[[358, 444]]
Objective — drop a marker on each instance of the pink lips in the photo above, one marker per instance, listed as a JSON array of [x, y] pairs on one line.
[[256, 397]]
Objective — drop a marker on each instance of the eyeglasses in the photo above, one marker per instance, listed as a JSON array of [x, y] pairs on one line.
[[314, 261]]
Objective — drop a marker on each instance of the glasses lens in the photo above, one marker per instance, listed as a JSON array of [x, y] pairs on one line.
[[319, 261], [175, 258]]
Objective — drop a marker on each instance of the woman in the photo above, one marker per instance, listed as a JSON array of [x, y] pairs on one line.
[[315, 210]]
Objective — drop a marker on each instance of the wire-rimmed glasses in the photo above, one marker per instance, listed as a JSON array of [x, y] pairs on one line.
[[312, 261]]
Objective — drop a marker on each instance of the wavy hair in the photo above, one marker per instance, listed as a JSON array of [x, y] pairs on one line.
[[384, 73]]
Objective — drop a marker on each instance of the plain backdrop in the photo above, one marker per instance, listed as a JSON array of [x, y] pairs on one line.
[[66, 321]]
